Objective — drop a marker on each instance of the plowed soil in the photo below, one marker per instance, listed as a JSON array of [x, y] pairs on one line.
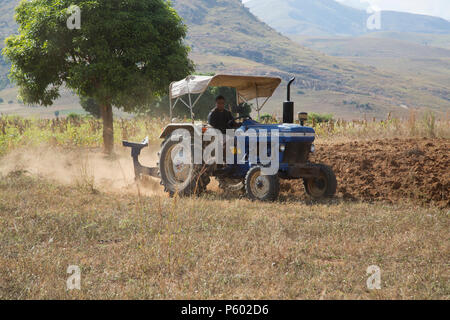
[[387, 170]]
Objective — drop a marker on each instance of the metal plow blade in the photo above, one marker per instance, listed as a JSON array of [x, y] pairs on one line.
[[135, 153]]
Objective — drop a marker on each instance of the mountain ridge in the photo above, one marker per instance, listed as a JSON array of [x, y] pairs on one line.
[[328, 17], [314, 70]]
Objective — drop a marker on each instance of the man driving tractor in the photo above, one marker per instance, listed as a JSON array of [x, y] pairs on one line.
[[296, 142], [220, 118]]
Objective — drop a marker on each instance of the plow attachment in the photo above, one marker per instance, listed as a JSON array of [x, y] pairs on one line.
[[135, 153]]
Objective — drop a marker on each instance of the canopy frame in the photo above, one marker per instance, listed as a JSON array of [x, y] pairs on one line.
[[271, 84]]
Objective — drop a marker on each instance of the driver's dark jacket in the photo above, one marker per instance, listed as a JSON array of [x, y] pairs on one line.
[[220, 119]]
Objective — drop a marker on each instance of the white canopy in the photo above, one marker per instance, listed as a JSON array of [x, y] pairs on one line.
[[247, 87]]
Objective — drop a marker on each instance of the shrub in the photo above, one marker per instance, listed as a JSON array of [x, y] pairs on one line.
[[319, 118], [429, 120], [73, 117], [266, 118]]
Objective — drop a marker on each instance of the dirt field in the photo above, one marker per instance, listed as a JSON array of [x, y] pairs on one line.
[[389, 170]]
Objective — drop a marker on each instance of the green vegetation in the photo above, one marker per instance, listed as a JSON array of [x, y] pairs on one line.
[[360, 106], [429, 120], [266, 118], [91, 106], [72, 131], [319, 118], [77, 130], [121, 70]]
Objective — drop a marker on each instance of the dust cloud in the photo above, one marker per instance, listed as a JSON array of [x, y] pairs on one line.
[[83, 166]]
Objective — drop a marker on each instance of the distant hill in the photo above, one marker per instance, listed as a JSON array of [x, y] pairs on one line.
[[226, 37], [426, 39], [222, 31], [328, 17], [408, 22], [415, 60], [7, 23], [227, 28], [7, 27], [309, 17], [372, 46]]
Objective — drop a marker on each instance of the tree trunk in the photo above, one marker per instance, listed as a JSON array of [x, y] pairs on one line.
[[108, 128]]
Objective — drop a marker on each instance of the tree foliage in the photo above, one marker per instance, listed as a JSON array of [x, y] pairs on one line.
[[125, 53], [91, 106]]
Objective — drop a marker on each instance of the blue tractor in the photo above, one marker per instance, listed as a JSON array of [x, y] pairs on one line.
[[247, 172]]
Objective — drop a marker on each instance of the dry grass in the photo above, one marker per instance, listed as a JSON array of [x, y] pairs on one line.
[[153, 247], [139, 244]]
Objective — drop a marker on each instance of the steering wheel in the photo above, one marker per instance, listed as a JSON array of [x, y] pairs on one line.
[[243, 117], [230, 123]]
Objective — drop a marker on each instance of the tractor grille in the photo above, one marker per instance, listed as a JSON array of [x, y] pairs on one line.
[[296, 152]]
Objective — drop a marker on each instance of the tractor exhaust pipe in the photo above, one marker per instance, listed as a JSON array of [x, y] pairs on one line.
[[288, 105]]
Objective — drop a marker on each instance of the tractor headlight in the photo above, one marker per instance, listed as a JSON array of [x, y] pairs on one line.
[[282, 147], [313, 148]]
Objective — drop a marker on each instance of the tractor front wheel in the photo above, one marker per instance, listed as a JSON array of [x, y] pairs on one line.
[[323, 186], [261, 187]]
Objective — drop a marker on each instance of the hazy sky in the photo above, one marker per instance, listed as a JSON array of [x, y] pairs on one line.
[[440, 8]]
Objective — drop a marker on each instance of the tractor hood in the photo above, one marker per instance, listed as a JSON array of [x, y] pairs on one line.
[[288, 131]]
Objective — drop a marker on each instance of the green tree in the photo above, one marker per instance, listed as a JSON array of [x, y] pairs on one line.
[[125, 53], [90, 105]]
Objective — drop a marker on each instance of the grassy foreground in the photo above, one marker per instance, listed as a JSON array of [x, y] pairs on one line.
[[152, 247]]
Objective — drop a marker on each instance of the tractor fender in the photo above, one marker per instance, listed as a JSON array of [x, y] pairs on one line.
[[195, 130]]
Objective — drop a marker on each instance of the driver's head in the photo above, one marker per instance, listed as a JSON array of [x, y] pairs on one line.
[[220, 103]]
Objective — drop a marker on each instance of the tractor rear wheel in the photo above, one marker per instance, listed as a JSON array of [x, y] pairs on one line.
[[261, 187], [177, 176], [323, 186]]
